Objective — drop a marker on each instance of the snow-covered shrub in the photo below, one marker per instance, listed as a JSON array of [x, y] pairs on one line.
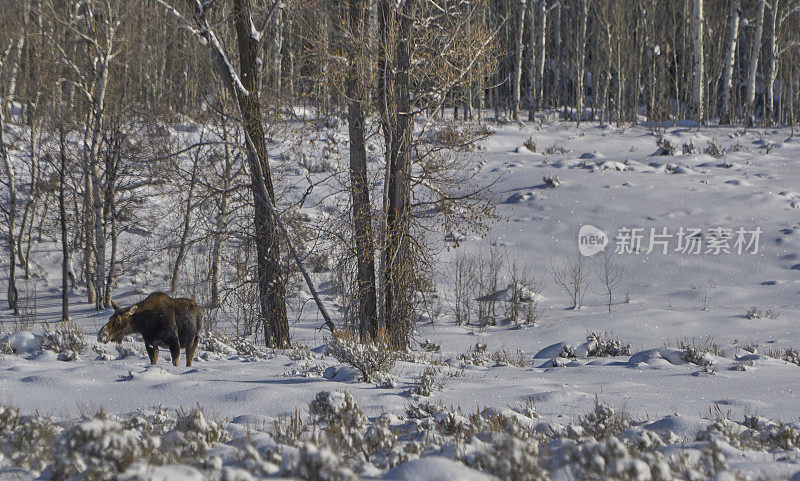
[[603, 422], [507, 457], [151, 422], [530, 144], [321, 463], [65, 338], [218, 343], [29, 444], [476, 356], [192, 437], [688, 148], [426, 383], [610, 459], [699, 355], [713, 149], [9, 416], [289, 430], [430, 346], [369, 359], [98, 449], [665, 147], [337, 409], [556, 149], [502, 358], [755, 313], [551, 181], [601, 345]]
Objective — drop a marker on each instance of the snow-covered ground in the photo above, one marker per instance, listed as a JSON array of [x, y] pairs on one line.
[[612, 179]]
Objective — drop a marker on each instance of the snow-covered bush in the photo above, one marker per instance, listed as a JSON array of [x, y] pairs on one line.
[[369, 359], [430, 346], [192, 437], [64, 339], [30, 444], [699, 355], [551, 181], [426, 383], [603, 422], [756, 313], [688, 148], [555, 148], [713, 149], [321, 463], [610, 459], [665, 147], [507, 457], [601, 345], [98, 449]]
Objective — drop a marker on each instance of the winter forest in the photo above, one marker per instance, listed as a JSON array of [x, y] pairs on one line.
[[411, 240]]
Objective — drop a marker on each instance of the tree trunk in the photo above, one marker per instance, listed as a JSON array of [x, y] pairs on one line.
[[755, 51], [581, 60], [13, 295], [356, 84], [398, 271], [62, 211], [730, 60], [271, 281], [697, 70], [519, 46], [187, 224], [222, 215], [772, 67]]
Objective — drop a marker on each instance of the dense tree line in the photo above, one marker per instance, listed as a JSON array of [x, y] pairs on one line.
[[90, 85]]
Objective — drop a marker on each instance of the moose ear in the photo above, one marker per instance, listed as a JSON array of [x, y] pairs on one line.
[[116, 306], [132, 310]]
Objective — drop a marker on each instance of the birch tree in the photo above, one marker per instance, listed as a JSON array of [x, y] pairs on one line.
[[11, 209], [698, 81], [519, 46], [755, 52], [730, 61]]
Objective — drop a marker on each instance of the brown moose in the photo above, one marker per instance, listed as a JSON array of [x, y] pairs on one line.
[[162, 321]]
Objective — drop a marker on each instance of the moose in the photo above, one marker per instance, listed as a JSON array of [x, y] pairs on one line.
[[162, 321]]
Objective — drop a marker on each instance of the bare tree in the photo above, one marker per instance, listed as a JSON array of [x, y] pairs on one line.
[[573, 278], [11, 210], [610, 276], [357, 84], [519, 46]]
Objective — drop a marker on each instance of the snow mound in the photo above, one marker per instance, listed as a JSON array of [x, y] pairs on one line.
[[658, 356], [551, 351], [435, 468], [22, 342], [686, 427]]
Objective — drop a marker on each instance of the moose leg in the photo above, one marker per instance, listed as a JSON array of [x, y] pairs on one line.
[[190, 349], [175, 351], [152, 351]]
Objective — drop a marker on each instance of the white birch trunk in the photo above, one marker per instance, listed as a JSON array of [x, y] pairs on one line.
[[755, 51], [730, 60], [697, 70], [519, 46], [772, 69]]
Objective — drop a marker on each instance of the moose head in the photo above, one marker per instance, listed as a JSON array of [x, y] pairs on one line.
[[119, 324]]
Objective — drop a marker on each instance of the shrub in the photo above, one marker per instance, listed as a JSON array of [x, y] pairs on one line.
[[98, 449], [29, 444], [192, 437], [601, 345], [65, 338], [530, 144], [603, 422], [665, 147], [713, 149], [509, 458], [369, 359], [426, 383]]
